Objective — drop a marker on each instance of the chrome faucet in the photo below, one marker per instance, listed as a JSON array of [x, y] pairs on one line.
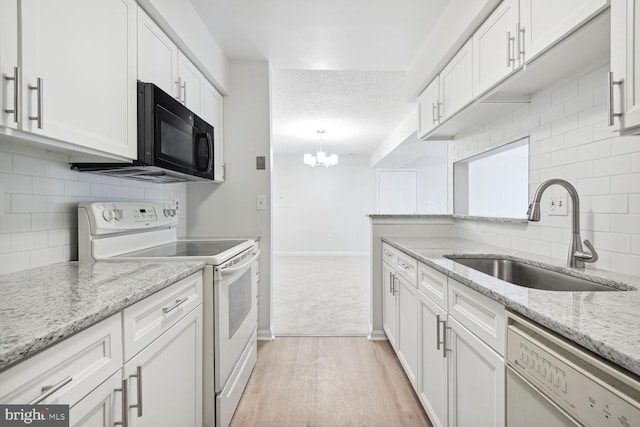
[[577, 257]]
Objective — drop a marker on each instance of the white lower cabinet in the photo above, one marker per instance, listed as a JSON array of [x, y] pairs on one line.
[[432, 367], [165, 379], [389, 321], [103, 407], [476, 380], [407, 300]]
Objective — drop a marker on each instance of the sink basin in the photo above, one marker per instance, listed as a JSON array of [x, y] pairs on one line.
[[530, 276]]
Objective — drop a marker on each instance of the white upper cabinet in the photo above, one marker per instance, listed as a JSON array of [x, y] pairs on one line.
[[624, 84], [9, 89], [157, 55], [191, 85], [429, 109], [79, 73], [213, 114], [495, 47], [544, 22], [456, 82]]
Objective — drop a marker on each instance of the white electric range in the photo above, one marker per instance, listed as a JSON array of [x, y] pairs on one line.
[[126, 231]]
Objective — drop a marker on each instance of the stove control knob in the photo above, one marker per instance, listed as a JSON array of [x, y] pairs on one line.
[[173, 212], [107, 214], [167, 212], [118, 214]]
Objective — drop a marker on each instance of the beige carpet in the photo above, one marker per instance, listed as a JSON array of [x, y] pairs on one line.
[[327, 296]]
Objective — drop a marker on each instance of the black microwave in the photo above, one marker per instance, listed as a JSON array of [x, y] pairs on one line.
[[174, 144]]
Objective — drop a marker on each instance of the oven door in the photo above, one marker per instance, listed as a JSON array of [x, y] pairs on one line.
[[235, 313]]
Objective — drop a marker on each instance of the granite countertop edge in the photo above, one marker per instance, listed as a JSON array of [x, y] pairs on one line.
[[450, 216], [33, 344], [620, 281]]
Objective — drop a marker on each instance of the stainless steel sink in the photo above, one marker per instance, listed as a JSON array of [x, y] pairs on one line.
[[530, 276]]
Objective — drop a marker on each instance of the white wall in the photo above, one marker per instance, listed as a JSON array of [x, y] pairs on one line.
[[41, 194], [570, 139], [320, 210], [229, 209], [432, 183]]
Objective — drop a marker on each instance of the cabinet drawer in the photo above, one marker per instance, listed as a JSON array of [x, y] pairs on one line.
[[148, 319], [433, 284], [87, 358], [478, 313], [389, 255], [407, 267]]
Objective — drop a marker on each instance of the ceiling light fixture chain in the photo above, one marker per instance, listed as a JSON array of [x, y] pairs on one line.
[[321, 158]]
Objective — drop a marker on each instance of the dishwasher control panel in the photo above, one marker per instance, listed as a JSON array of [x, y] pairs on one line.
[[590, 390]]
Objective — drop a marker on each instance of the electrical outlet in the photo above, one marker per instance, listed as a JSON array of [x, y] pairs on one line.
[[558, 204], [261, 203]]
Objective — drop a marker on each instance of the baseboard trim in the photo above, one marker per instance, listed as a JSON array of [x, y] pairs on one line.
[[291, 253], [265, 335], [377, 335]]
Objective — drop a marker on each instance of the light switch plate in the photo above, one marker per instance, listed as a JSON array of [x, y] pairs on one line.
[[557, 204]]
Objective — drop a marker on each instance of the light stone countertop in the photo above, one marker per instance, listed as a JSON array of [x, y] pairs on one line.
[[605, 322], [449, 216], [44, 305]]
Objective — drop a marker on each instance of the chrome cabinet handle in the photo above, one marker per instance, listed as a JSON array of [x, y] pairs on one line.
[[179, 86], [395, 289], [125, 409], [520, 42], [510, 43], [433, 113], [439, 113], [48, 390], [390, 282], [438, 332], [184, 92], [612, 83], [16, 97], [177, 304], [39, 88], [444, 339], [138, 377]]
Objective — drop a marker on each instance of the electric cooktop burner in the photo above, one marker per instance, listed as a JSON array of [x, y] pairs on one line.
[[185, 248]]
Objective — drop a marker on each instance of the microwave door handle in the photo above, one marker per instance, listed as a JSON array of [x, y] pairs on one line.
[[209, 164], [210, 142]]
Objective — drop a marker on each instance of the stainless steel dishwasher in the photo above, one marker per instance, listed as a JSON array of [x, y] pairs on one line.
[[553, 382]]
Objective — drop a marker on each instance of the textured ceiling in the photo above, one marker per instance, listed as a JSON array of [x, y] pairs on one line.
[[356, 109], [337, 64]]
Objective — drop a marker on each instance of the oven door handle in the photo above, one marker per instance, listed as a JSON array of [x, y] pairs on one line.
[[227, 271]]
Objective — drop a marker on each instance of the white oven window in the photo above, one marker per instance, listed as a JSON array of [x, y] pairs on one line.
[[239, 302]]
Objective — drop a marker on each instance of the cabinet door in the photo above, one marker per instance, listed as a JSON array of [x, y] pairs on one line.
[[545, 22], [389, 321], [84, 55], [428, 115], [165, 379], [625, 64], [407, 306], [476, 380], [9, 89], [191, 84], [432, 364], [213, 114], [100, 408], [456, 79], [494, 47], [157, 56]]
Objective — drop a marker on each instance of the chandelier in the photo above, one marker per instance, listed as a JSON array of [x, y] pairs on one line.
[[321, 158]]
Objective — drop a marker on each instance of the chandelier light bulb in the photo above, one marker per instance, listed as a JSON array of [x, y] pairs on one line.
[[321, 158]]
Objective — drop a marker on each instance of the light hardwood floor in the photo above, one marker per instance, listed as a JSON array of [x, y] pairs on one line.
[[326, 382]]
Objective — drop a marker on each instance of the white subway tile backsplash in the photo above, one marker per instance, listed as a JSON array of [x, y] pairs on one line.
[[594, 150], [592, 115], [16, 183], [625, 263], [6, 162], [590, 186], [565, 156], [629, 223], [29, 241], [610, 204], [564, 125], [551, 114], [47, 186], [14, 261], [5, 243], [575, 171], [14, 223], [51, 221], [614, 242], [62, 204], [624, 144], [634, 203], [579, 103], [60, 237], [635, 244], [629, 183], [63, 171], [596, 78], [49, 256], [77, 188], [26, 203], [26, 165], [611, 165], [635, 162], [564, 93], [578, 137], [554, 143], [595, 222], [540, 133]]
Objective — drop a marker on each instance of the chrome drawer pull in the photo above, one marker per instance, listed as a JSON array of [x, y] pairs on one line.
[[125, 410], [16, 97], [48, 390], [610, 107], [138, 377], [177, 304], [38, 88]]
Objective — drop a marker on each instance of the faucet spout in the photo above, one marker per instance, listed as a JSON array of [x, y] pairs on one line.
[[577, 257]]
